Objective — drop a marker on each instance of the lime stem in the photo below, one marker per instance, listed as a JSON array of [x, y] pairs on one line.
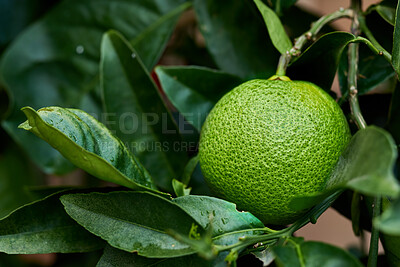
[[374, 242], [372, 40], [356, 112], [353, 68]]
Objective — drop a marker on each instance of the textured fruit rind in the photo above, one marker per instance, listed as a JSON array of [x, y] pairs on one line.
[[267, 141]]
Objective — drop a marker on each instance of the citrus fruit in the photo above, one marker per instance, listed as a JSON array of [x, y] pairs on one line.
[[267, 141]]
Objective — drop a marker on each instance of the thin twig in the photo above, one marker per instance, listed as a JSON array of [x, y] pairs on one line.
[[309, 35]]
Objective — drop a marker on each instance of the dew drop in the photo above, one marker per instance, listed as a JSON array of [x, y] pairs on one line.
[[80, 49], [133, 55]]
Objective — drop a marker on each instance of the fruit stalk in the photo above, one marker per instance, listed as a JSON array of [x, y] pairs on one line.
[[371, 38], [358, 118], [353, 69]]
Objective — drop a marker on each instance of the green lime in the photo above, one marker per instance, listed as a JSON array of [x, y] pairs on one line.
[[267, 141]]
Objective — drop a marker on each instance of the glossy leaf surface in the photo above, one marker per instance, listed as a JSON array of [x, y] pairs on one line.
[[389, 221], [314, 254], [366, 166], [224, 29], [88, 144], [113, 257], [281, 5], [195, 90], [44, 227], [373, 70], [387, 11], [15, 174], [275, 28], [396, 42], [318, 64], [42, 69], [224, 215], [140, 118], [394, 115], [133, 221], [16, 15]]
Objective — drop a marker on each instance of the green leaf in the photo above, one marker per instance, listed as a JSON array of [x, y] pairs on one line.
[[150, 43], [15, 16], [373, 70], [180, 188], [266, 256], [195, 90], [387, 12], [391, 245], [44, 227], [313, 254], [366, 166], [394, 114], [5, 103], [282, 5], [142, 121], [236, 37], [224, 215], [389, 221], [88, 144], [318, 64], [275, 28], [113, 257], [133, 221], [16, 173], [42, 69], [396, 42], [220, 217], [189, 169]]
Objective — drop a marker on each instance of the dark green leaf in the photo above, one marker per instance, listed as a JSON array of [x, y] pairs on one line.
[[391, 245], [389, 221], [16, 15], [133, 221], [220, 217], [373, 70], [44, 227], [394, 115], [366, 166], [151, 41], [15, 174], [142, 121], [396, 42], [42, 69], [113, 257], [5, 103], [281, 5], [286, 256], [314, 254], [189, 169], [88, 144], [387, 12], [236, 37], [318, 64], [275, 28], [195, 90], [266, 256], [223, 215]]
